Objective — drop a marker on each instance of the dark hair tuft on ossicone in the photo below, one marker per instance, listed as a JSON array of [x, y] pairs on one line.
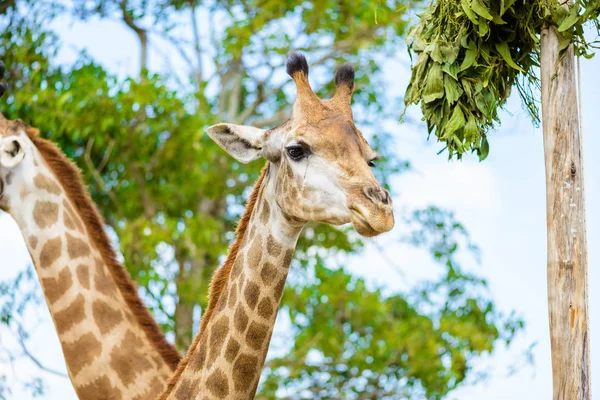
[[345, 75], [296, 62]]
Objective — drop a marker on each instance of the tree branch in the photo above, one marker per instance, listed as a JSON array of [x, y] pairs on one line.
[[140, 32], [37, 362], [198, 70], [274, 120], [87, 158]]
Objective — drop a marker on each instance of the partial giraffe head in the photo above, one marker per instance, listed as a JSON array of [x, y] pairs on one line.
[[322, 161], [14, 146]]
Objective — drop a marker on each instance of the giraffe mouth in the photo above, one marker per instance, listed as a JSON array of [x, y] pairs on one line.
[[360, 223]]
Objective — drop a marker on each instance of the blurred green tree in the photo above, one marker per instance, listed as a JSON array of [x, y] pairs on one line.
[[171, 197]]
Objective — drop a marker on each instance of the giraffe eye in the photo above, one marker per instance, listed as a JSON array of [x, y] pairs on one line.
[[296, 152], [372, 164]]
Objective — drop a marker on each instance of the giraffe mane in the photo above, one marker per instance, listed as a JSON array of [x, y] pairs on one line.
[[219, 279], [69, 175]]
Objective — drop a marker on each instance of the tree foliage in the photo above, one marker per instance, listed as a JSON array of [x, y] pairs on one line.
[[171, 197], [471, 54]]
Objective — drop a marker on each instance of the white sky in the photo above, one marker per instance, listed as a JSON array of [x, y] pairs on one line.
[[501, 202]]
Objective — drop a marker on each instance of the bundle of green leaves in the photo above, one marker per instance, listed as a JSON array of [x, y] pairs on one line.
[[469, 54]]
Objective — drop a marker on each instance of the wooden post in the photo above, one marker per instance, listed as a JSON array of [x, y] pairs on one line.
[[565, 202]]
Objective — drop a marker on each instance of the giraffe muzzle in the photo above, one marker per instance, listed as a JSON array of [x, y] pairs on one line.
[[372, 221]]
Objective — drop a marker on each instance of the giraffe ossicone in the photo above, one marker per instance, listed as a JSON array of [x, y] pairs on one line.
[[112, 346], [318, 169]]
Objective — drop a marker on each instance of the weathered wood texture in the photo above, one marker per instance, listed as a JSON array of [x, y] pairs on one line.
[[567, 251]]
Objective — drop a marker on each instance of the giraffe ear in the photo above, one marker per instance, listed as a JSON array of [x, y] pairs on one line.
[[12, 152], [244, 143]]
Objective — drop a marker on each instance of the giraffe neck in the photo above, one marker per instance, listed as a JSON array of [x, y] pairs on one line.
[[109, 347], [227, 357]]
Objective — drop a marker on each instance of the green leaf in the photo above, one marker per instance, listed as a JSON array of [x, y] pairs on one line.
[[456, 122], [571, 19], [481, 9], [449, 52], [471, 131], [505, 5], [469, 60], [434, 89], [504, 51], [483, 29], [452, 89], [452, 70], [564, 40], [419, 70], [498, 20], [485, 103], [435, 52], [466, 6], [484, 149]]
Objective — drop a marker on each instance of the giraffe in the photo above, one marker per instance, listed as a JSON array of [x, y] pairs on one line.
[[113, 348], [318, 169]]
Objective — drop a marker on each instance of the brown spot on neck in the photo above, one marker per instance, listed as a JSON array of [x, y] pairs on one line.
[[244, 371], [127, 361], [185, 391], [70, 316], [265, 308], [217, 384], [268, 274], [218, 333], [105, 316], [82, 352], [76, 247], [233, 347], [55, 288], [83, 275], [99, 389], [240, 319], [273, 247], [33, 242], [256, 335], [50, 252], [43, 182], [256, 251], [251, 293], [102, 281]]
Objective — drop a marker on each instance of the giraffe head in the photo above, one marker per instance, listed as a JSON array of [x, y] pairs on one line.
[[322, 161], [15, 144]]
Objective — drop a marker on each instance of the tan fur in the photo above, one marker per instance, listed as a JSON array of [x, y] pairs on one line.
[[70, 178]]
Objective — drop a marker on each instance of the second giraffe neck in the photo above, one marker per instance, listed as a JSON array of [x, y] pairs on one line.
[[228, 358], [107, 350]]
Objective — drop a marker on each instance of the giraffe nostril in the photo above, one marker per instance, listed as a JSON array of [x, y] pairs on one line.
[[386, 197], [377, 195]]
